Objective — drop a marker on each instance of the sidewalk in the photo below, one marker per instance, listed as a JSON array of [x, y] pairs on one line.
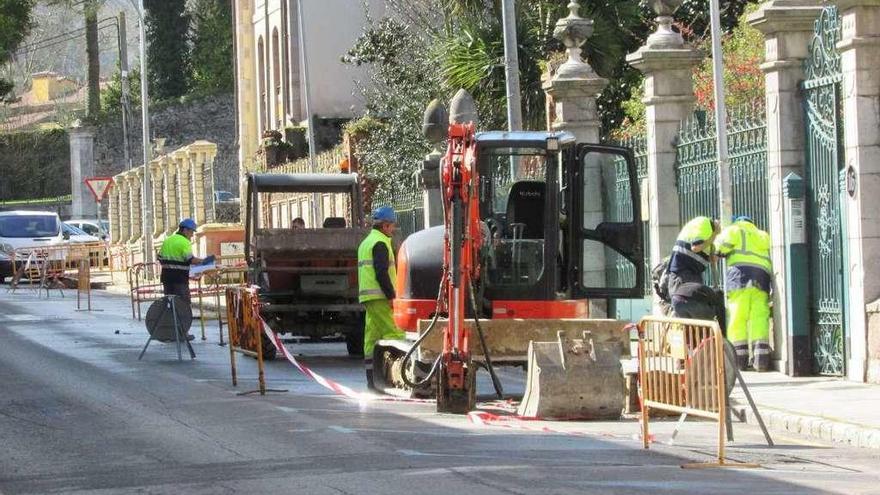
[[828, 409]]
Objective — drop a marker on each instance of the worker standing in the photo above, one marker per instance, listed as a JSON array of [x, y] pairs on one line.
[[176, 257], [749, 281], [691, 255], [376, 278]]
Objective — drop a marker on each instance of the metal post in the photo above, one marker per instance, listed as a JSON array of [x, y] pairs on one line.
[[304, 64], [511, 66], [123, 77], [725, 203], [147, 194]]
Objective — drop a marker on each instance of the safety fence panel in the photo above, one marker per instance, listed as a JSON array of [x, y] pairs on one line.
[[682, 370], [620, 272], [697, 166], [245, 331]]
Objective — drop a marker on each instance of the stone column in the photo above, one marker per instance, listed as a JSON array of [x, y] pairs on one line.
[[172, 215], [137, 219], [860, 56], [787, 26], [246, 88], [113, 211], [574, 90], [159, 219], [124, 207], [667, 63], [82, 166], [184, 186], [201, 157]]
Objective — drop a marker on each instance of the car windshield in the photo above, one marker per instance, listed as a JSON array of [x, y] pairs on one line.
[[70, 229], [28, 226]]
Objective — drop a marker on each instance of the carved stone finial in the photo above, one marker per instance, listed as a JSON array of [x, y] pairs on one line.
[[573, 32], [664, 36], [435, 123], [462, 108]]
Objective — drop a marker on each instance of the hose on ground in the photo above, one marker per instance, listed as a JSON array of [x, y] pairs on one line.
[[496, 383]]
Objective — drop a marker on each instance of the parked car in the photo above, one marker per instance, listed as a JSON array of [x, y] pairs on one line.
[[24, 229], [225, 197], [96, 228], [76, 235]]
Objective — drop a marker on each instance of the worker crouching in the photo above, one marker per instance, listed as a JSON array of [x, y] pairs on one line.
[[376, 278], [749, 281]]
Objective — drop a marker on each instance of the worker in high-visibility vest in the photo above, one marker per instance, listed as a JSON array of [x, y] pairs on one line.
[[376, 278], [749, 282], [176, 257], [691, 254]]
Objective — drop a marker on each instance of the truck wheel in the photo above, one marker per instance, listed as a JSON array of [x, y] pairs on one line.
[[354, 340]]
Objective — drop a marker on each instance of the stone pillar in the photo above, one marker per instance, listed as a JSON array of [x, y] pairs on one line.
[[184, 186], [201, 157], [667, 63], [135, 190], [113, 211], [574, 90], [159, 219], [124, 207], [246, 88], [82, 166], [860, 56], [172, 215], [787, 26]]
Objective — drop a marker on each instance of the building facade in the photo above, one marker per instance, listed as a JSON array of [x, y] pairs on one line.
[[271, 63]]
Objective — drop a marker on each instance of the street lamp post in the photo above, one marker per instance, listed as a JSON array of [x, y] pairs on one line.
[[147, 191]]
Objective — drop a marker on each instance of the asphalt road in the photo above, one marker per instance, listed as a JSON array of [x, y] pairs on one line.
[[80, 414]]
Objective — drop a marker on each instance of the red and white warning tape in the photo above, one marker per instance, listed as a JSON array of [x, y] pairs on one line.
[[327, 383], [481, 417]]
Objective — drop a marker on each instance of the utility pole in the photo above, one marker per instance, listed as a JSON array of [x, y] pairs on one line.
[[122, 36], [725, 198], [307, 96], [511, 66], [147, 194]]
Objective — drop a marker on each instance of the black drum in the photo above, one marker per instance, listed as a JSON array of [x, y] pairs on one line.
[[160, 319]]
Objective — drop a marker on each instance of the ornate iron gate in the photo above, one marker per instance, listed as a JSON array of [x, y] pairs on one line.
[[823, 163]]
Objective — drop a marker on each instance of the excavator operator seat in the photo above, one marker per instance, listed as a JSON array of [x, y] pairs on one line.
[[525, 206]]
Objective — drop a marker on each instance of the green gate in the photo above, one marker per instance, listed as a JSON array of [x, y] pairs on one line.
[[821, 90]]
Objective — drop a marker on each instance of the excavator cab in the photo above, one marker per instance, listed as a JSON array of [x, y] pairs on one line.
[[562, 221]]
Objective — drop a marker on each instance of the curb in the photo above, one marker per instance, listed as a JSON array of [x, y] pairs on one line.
[[814, 427]]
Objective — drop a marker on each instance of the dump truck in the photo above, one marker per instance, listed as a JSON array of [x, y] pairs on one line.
[[307, 277]]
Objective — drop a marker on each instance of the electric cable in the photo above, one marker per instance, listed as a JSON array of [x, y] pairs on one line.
[[499, 391]]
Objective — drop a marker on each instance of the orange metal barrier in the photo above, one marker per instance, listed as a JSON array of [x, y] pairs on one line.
[[245, 332], [681, 370]]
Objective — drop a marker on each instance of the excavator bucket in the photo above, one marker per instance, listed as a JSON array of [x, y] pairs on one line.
[[579, 378]]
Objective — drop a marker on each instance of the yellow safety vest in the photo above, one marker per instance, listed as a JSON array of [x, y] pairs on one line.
[[368, 286], [744, 244]]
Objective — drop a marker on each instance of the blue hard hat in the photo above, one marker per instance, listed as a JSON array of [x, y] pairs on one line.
[[384, 214], [742, 218], [188, 223]]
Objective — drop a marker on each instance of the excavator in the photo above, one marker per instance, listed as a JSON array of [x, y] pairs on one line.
[[539, 232]]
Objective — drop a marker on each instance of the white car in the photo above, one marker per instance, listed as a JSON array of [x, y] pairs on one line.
[[75, 235], [97, 228], [24, 229]]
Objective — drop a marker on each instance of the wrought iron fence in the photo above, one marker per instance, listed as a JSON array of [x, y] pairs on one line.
[[697, 167], [619, 271], [406, 198]]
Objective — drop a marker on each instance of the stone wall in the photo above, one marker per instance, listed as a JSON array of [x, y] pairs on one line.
[[211, 119], [873, 311]]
